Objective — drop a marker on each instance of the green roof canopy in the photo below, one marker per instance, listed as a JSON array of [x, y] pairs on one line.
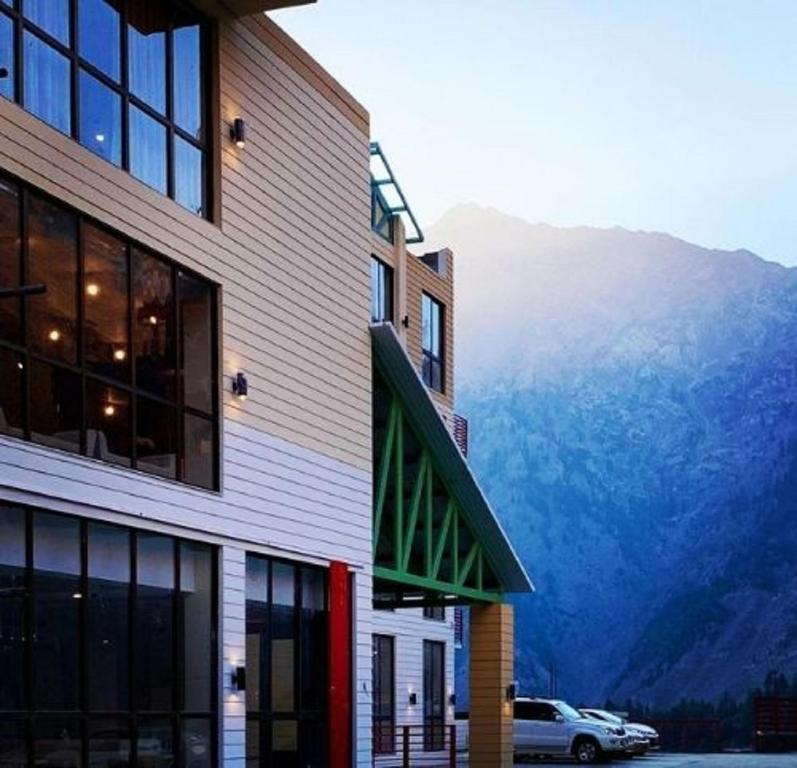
[[436, 539]]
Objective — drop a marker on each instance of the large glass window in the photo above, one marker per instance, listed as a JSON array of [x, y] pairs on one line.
[[73, 594], [286, 665], [384, 695], [432, 342], [381, 291], [71, 72], [120, 354]]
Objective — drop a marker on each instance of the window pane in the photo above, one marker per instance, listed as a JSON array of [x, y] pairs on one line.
[[314, 639], [109, 743], [196, 596], [52, 258], [108, 611], [12, 610], [55, 419], [198, 451], [9, 252], [156, 744], [187, 75], [51, 15], [7, 56], [147, 150], [98, 32], [147, 53], [196, 324], [100, 119], [57, 743], [253, 744], [156, 438], [11, 393], [188, 175], [284, 742], [108, 428], [256, 633], [106, 311], [56, 604], [48, 86], [13, 744], [197, 746], [283, 638], [153, 322], [155, 623], [426, 322]]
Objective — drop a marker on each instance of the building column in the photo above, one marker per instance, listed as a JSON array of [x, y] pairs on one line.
[[340, 656], [492, 669]]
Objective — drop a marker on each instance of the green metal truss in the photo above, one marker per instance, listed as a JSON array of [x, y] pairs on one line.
[[420, 538]]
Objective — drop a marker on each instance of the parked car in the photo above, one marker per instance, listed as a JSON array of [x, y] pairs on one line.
[[550, 727], [645, 732]]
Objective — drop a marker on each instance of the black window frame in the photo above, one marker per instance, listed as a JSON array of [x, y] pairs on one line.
[[84, 371], [133, 716], [434, 612], [384, 723], [77, 64], [382, 290], [301, 715], [434, 737], [429, 360]]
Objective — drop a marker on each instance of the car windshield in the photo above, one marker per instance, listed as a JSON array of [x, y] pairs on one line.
[[568, 711], [610, 717]]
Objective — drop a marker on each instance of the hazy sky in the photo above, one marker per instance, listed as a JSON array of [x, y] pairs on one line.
[[668, 115]]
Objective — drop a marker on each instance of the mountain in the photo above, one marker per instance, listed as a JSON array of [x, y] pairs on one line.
[[633, 408]]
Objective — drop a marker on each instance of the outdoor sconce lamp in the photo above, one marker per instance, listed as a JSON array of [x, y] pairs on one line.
[[511, 691], [405, 321], [238, 679], [452, 699], [238, 132], [413, 698], [240, 386]]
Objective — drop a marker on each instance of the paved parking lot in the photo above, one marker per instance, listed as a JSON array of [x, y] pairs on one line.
[[724, 760]]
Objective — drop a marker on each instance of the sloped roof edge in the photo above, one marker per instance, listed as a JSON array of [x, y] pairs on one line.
[[395, 365]]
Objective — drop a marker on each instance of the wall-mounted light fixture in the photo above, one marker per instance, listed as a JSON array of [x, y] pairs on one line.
[[240, 386], [452, 699], [238, 132], [413, 698], [405, 321], [511, 691], [238, 679]]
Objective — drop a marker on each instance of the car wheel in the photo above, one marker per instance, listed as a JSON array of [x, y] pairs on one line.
[[587, 751]]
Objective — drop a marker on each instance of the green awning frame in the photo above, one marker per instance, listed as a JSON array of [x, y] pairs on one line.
[[436, 539]]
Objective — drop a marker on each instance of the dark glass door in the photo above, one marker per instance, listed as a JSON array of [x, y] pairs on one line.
[[384, 688], [434, 715]]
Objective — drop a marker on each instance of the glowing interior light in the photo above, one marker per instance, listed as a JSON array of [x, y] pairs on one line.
[[153, 320], [109, 410], [119, 355], [54, 335], [92, 289], [100, 137]]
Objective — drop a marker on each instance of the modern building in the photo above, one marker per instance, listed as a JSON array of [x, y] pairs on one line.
[[212, 466]]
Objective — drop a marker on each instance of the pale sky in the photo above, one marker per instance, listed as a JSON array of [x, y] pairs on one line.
[[669, 115]]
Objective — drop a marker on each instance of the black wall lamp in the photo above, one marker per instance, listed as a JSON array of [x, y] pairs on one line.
[[511, 691], [452, 699], [238, 132], [238, 679], [413, 698], [240, 386]]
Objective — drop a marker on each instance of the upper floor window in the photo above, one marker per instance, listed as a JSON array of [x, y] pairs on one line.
[[126, 78], [381, 216], [381, 291], [432, 342], [434, 612], [117, 359]]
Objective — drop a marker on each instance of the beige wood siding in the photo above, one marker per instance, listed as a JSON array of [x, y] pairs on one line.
[[420, 279]]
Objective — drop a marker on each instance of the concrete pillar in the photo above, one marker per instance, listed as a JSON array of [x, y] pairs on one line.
[[492, 647]]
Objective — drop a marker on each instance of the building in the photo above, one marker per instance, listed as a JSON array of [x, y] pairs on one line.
[[197, 515]]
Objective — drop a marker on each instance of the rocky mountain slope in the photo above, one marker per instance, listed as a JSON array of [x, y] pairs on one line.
[[633, 407]]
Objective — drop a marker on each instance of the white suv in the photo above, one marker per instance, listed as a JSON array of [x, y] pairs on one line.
[[552, 727], [645, 733]]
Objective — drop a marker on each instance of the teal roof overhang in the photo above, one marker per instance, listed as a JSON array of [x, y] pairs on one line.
[[392, 362]]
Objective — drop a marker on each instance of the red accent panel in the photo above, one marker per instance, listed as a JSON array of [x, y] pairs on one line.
[[340, 648]]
